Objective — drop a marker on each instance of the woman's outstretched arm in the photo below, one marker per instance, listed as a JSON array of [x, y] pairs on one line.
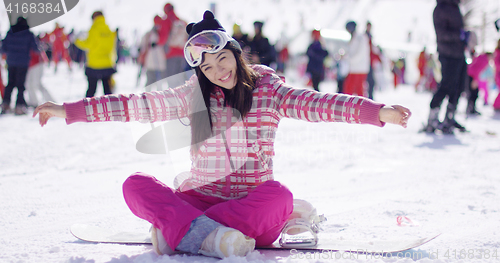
[[145, 107], [315, 107]]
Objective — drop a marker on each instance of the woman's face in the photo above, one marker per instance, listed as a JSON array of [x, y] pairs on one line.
[[220, 68]]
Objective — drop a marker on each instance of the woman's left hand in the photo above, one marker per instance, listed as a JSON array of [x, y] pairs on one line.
[[395, 114]]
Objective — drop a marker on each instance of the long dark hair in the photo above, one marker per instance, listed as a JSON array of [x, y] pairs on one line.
[[239, 98]]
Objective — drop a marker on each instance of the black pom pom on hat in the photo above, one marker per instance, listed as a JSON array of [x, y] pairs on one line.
[[208, 23]]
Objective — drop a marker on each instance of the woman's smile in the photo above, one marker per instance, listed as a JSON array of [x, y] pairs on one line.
[[225, 78]]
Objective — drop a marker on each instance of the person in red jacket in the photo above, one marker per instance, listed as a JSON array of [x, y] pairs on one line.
[[60, 46], [422, 67], [173, 35]]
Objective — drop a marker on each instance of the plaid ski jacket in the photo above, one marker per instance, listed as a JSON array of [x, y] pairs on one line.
[[239, 157]]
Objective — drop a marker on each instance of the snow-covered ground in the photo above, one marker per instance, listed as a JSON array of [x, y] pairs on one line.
[[361, 177]]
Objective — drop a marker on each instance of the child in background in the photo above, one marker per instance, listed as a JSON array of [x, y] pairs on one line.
[[475, 70], [34, 78], [496, 59]]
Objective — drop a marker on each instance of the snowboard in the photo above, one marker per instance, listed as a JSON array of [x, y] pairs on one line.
[[96, 234]]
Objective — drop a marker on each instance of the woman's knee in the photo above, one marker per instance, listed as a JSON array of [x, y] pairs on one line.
[[277, 189], [135, 183], [279, 195]]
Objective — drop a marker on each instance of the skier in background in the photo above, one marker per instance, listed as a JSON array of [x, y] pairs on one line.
[[374, 58], [2, 87], [398, 69], [241, 37], [17, 45], [430, 74], [402, 66], [173, 36], [101, 54], [358, 55], [475, 70], [76, 54], [262, 51], [60, 44], [342, 69], [230, 202], [316, 54], [451, 43], [46, 45], [422, 62], [34, 78], [283, 55], [153, 55], [119, 47]]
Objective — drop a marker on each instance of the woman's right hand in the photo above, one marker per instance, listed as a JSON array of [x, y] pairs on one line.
[[49, 110]]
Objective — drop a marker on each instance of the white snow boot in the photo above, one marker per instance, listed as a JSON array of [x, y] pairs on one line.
[[302, 227], [225, 242], [159, 244], [305, 210]]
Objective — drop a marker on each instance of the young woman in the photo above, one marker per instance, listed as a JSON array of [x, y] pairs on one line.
[[230, 202]]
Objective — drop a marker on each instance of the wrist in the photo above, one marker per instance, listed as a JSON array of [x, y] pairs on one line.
[[75, 112]]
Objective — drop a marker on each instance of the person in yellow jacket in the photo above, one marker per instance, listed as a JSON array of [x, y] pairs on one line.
[[100, 48]]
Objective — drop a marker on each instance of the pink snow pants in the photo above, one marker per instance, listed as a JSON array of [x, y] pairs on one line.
[[260, 215]]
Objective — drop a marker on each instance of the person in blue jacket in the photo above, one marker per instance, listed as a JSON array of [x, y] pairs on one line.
[[17, 45], [316, 54]]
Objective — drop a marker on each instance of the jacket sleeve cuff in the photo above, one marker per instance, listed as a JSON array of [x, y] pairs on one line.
[[75, 112], [369, 113]]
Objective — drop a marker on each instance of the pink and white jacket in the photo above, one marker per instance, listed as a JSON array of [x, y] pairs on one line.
[[239, 157]]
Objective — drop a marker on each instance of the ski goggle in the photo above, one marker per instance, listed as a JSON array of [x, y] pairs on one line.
[[209, 41]]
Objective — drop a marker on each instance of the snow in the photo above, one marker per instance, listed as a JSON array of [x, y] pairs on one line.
[[361, 177]]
